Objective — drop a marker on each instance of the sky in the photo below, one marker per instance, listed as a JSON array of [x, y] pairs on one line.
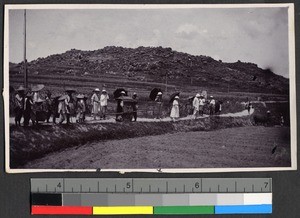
[[257, 35]]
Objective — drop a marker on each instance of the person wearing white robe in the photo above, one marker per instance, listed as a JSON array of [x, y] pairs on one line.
[[95, 103], [175, 109]]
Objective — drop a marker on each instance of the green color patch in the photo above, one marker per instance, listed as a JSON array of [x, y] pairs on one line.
[[184, 210]]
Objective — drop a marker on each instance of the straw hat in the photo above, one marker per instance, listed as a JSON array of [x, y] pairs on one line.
[[159, 93], [176, 97], [39, 100], [97, 90], [21, 88], [104, 91], [37, 88], [197, 95], [29, 94], [80, 96], [123, 92]]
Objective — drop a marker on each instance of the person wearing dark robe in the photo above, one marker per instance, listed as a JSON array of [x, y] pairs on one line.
[[158, 101], [19, 105], [28, 110], [80, 108], [48, 106], [120, 108]]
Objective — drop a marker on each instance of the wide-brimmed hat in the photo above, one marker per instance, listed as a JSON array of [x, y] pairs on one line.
[[176, 97], [62, 98], [123, 92], [70, 90], [211, 96], [80, 96], [96, 90], [37, 88], [39, 100], [198, 95], [159, 93], [29, 94], [21, 88], [104, 91]]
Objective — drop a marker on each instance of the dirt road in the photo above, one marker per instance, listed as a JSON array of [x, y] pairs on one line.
[[234, 147]]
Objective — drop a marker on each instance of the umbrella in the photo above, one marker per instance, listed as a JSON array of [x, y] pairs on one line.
[[173, 96], [117, 92], [191, 99], [153, 93], [37, 88], [63, 97], [126, 99]]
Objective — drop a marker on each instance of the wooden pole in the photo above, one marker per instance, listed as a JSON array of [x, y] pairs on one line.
[[25, 60]]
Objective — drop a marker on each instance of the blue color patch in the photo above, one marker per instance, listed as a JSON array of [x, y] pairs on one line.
[[244, 209]]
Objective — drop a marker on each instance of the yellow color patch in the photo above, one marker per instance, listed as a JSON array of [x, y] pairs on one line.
[[122, 210]]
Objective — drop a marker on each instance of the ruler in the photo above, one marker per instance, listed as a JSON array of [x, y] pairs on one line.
[[102, 196]]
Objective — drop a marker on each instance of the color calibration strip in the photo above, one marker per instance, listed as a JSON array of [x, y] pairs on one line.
[[104, 204], [111, 196]]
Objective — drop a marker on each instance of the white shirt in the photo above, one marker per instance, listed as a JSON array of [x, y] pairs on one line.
[[103, 99], [196, 103]]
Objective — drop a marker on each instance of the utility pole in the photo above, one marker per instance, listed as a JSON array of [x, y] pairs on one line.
[[25, 60], [166, 81]]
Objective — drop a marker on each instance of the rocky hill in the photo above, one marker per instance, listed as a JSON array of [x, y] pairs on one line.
[[158, 64]]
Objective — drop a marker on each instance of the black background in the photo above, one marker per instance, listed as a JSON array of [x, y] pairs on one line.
[[15, 188]]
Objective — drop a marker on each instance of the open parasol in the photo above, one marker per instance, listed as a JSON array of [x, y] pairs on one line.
[[117, 92], [173, 96], [153, 93], [37, 88], [127, 99]]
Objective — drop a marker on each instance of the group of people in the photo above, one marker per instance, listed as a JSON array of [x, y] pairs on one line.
[[199, 102], [30, 106], [99, 104]]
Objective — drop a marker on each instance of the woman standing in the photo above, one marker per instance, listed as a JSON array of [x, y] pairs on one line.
[[95, 103], [175, 109]]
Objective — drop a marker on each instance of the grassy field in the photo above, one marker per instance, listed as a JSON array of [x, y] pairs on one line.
[[225, 148]]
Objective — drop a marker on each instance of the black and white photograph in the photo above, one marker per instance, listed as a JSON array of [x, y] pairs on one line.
[[150, 88]]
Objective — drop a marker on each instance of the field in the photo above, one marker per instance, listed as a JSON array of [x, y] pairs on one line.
[[234, 147]]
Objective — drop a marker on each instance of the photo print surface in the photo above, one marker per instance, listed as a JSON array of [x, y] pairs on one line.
[[152, 88]]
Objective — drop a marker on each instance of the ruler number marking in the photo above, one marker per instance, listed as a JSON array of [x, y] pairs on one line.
[[266, 184]]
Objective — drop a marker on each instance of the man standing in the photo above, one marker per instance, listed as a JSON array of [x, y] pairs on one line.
[[103, 104], [95, 103], [212, 105], [158, 101], [201, 105], [134, 107], [19, 105], [196, 104], [28, 109]]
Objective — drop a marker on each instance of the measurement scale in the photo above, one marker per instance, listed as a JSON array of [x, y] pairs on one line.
[[109, 196]]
